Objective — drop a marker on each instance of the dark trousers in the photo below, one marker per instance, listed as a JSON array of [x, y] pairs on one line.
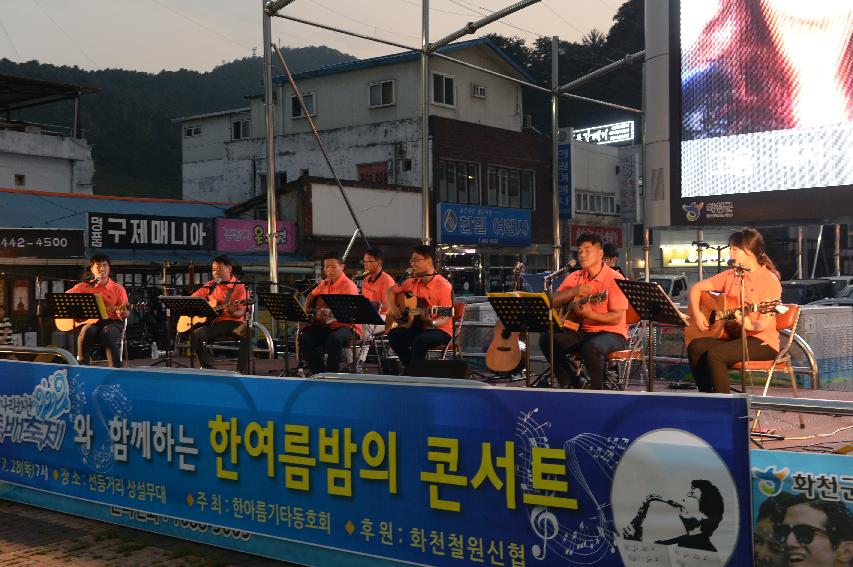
[[414, 342], [316, 341], [208, 333], [593, 348], [710, 360], [108, 333]]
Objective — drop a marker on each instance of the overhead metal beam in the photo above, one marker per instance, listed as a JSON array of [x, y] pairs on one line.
[[490, 72], [472, 27], [273, 6], [627, 60], [601, 102], [345, 32]]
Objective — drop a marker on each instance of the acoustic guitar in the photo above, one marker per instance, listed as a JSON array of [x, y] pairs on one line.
[[319, 315], [185, 322], [66, 325], [504, 353], [721, 316], [414, 308], [565, 316]]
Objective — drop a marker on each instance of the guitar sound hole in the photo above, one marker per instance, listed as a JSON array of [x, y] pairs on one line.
[[505, 334]]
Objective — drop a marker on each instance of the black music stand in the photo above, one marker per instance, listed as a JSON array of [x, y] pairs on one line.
[[284, 307], [78, 306], [355, 310], [652, 304], [522, 312], [180, 306]]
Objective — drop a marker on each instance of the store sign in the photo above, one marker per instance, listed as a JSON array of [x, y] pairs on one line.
[[235, 235], [630, 173], [564, 179], [685, 255], [41, 243], [607, 133], [107, 230], [475, 224], [607, 233]]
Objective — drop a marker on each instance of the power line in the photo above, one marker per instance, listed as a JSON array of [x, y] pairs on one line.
[[501, 21], [71, 39], [348, 17], [11, 41], [201, 25]]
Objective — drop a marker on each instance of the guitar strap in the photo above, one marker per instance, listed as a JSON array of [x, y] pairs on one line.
[[231, 292]]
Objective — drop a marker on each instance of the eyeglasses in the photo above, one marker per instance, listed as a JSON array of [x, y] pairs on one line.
[[803, 532], [414, 260]]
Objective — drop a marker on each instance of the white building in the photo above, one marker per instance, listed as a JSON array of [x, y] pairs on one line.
[[369, 116], [38, 156]]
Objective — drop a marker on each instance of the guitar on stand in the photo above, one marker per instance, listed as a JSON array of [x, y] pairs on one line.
[[504, 354], [721, 317]]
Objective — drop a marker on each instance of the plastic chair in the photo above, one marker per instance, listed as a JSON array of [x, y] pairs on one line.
[[123, 353], [454, 343], [782, 362], [619, 362]]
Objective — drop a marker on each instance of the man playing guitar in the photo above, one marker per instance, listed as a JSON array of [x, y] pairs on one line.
[[412, 343], [324, 336], [602, 327], [710, 358], [225, 289], [108, 330]]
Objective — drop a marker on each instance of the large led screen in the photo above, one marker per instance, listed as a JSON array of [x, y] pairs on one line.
[[764, 91]]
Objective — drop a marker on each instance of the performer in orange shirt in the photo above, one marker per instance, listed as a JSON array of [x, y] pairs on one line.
[[325, 335], [231, 296], [711, 358], [377, 281], [108, 331], [602, 324], [412, 343]]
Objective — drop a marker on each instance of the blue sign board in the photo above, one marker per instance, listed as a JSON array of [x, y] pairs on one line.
[[427, 474], [478, 224], [803, 508], [564, 179]]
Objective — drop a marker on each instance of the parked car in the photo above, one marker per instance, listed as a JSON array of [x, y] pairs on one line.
[[806, 291], [675, 286], [840, 282], [846, 292]]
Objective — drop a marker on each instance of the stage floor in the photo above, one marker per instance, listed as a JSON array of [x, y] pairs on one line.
[[822, 433]]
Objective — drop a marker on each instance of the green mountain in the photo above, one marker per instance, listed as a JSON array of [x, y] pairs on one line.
[[137, 149]]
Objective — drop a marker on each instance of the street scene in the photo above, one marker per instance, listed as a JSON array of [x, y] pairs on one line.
[[427, 282]]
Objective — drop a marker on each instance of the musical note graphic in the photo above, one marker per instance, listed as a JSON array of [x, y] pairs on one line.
[[588, 455]]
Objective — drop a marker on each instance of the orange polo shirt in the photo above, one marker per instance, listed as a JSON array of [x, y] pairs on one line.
[[605, 280], [759, 285], [112, 292], [374, 290], [343, 286], [220, 292], [437, 293]]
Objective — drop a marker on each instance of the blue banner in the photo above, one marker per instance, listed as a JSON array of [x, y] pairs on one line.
[[428, 474], [476, 224], [803, 508], [564, 179]]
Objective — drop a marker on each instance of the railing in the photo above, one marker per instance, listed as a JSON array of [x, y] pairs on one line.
[[37, 354], [802, 405]]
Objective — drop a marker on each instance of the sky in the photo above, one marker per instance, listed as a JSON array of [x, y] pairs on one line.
[[155, 35]]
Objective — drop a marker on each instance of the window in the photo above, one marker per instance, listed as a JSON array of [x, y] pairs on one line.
[[381, 94], [296, 109], [511, 188], [597, 203], [241, 129], [20, 180], [192, 131], [443, 89], [458, 182], [373, 172], [478, 91]]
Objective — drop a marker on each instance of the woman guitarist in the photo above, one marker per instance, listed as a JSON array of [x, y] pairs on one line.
[[710, 358]]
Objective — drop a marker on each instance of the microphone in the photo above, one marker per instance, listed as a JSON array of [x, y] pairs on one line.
[[572, 263], [213, 285], [736, 266], [405, 276], [362, 275]]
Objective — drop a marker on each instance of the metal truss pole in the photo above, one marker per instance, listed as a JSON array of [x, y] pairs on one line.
[[269, 122], [426, 202], [555, 134]]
